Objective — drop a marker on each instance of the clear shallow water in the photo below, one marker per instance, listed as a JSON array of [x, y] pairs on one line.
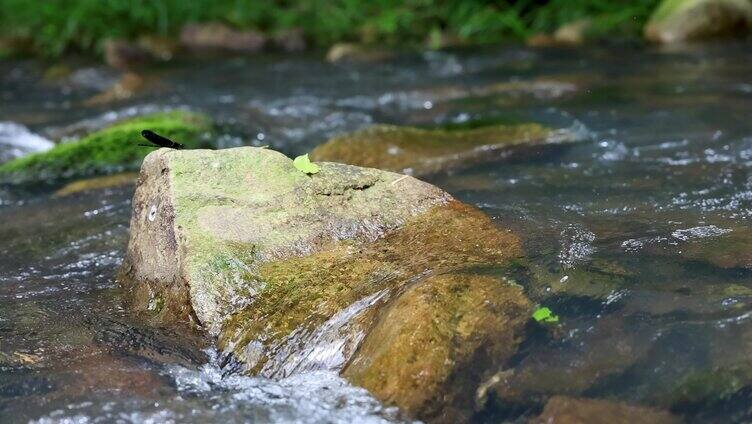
[[626, 231]]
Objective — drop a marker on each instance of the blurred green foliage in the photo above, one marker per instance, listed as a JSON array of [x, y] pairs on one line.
[[57, 26]]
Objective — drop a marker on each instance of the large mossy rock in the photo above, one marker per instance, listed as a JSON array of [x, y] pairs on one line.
[[377, 275], [687, 20], [113, 149], [419, 151]]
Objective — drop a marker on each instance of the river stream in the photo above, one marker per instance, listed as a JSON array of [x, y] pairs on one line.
[[641, 233]]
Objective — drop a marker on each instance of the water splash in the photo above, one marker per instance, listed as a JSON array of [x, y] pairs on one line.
[[16, 140], [328, 347]]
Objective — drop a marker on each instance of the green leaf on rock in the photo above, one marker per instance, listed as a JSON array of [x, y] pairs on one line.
[[303, 164], [545, 315]]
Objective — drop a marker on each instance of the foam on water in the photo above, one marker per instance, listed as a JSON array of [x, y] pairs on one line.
[[204, 395]]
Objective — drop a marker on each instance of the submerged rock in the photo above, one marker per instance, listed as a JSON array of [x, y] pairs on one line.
[[154, 345], [596, 279], [418, 151], [607, 349], [113, 149], [727, 246], [377, 275], [707, 388], [566, 410], [686, 20], [685, 234]]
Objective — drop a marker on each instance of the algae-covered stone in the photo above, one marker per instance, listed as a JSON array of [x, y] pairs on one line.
[[708, 387], [597, 279], [448, 319], [113, 149], [566, 410], [419, 151], [355, 269], [685, 20]]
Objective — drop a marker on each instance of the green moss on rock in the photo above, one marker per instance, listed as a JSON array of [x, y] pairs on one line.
[[420, 151], [113, 149], [443, 324], [303, 292]]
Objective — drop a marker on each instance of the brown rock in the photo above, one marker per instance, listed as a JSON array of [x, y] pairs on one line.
[[610, 350], [352, 52], [127, 86], [215, 36], [541, 40], [566, 410], [572, 33], [291, 40], [420, 151], [687, 20], [122, 54]]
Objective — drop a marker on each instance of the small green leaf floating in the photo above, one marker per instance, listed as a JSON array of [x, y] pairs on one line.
[[545, 315], [303, 164]]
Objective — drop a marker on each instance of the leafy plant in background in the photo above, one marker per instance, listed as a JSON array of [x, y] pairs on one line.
[[55, 27]]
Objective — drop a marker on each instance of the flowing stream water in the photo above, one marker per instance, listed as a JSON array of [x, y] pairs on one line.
[[641, 234]]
